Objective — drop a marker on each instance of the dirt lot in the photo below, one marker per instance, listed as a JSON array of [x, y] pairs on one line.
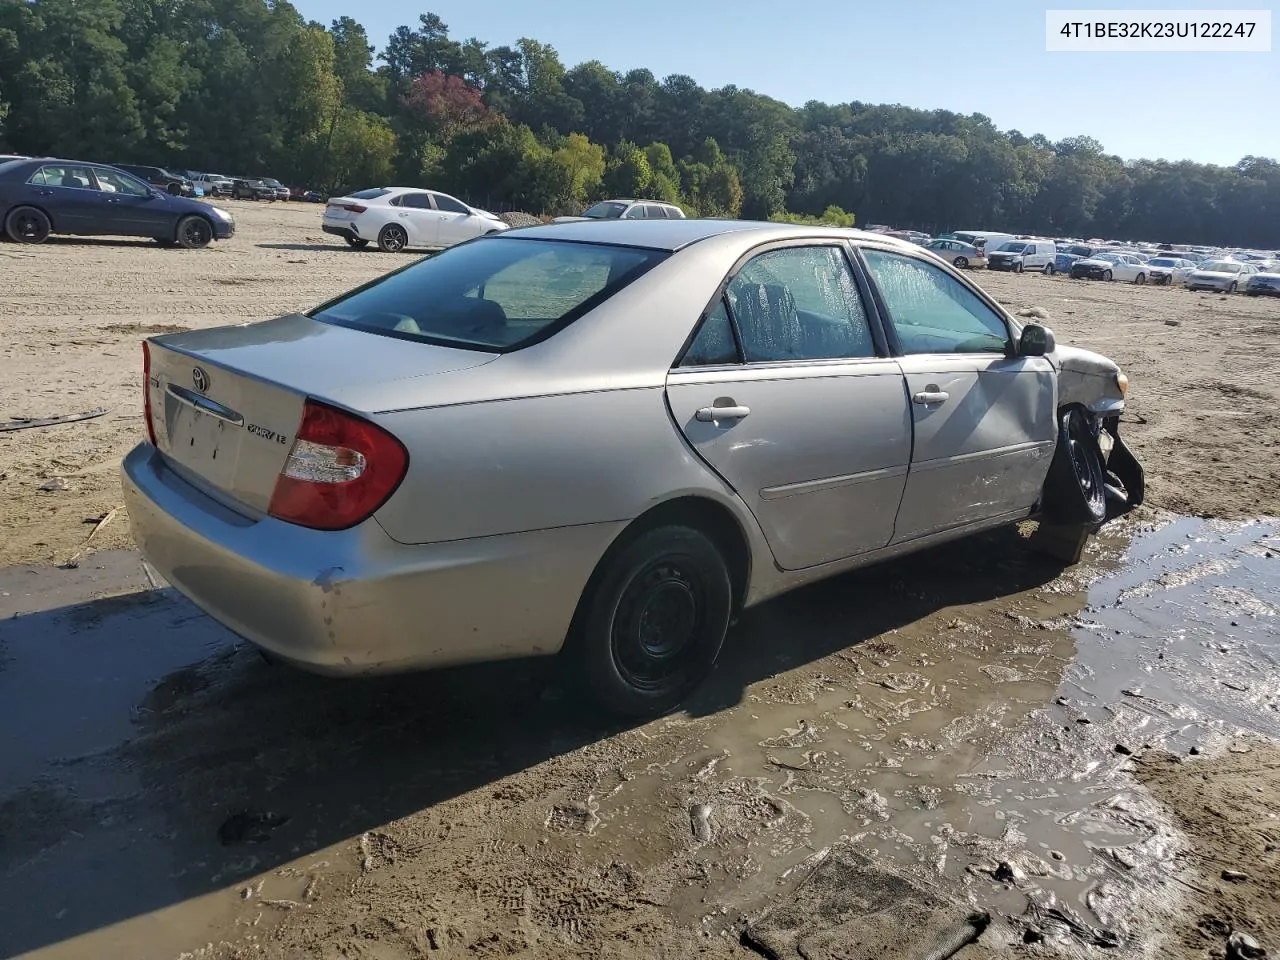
[[985, 733]]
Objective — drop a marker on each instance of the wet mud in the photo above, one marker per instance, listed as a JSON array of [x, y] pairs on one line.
[[975, 720]]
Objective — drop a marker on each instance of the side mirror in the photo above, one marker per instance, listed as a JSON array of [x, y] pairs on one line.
[[155, 193], [1036, 341]]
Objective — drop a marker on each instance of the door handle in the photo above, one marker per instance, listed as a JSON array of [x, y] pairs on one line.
[[930, 396], [712, 414]]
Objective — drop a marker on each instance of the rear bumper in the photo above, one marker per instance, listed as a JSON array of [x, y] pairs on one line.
[[355, 601], [346, 232]]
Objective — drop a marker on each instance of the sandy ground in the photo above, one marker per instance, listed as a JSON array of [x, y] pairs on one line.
[[986, 734]]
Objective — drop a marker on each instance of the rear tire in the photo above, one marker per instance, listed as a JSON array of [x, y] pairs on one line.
[[1140, 279], [960, 263], [1049, 270], [1075, 489], [358, 243], [651, 622], [392, 238], [194, 232], [27, 225], [175, 189]]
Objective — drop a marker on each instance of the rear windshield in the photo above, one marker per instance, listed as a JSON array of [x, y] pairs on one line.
[[372, 194], [497, 294]]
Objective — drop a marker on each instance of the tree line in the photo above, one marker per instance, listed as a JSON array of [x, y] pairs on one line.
[[252, 87]]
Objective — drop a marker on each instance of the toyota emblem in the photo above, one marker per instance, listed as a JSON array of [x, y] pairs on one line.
[[200, 379]]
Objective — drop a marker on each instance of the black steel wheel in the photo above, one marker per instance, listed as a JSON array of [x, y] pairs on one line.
[[194, 232], [651, 623], [27, 225], [1075, 489], [392, 238]]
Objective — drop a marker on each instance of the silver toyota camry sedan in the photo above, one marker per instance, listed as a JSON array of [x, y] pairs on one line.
[[603, 440]]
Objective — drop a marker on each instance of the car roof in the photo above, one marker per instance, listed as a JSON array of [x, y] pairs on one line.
[[672, 235]]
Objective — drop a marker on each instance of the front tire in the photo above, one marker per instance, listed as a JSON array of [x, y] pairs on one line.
[[1017, 268], [1233, 287], [392, 238], [1140, 279], [27, 225], [1106, 274], [1075, 489], [960, 263], [194, 232], [652, 621], [358, 243]]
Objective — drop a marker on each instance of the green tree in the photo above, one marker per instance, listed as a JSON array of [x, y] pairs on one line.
[[584, 164]]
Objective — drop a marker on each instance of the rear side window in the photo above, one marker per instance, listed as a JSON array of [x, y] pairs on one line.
[[496, 295], [418, 201]]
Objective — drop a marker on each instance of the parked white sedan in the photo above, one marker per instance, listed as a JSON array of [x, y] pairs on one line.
[[396, 218]]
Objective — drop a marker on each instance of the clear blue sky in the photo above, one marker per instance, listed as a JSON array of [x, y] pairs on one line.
[[963, 55]]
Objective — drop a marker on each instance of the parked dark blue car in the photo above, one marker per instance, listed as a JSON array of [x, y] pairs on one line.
[[43, 196]]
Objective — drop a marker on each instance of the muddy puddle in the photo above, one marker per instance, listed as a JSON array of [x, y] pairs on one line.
[[970, 717]]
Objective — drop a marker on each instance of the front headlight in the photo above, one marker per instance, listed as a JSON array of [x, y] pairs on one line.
[[221, 214], [1122, 384]]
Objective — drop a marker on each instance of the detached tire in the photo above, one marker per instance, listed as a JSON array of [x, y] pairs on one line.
[[1075, 489], [651, 624], [27, 225], [194, 232]]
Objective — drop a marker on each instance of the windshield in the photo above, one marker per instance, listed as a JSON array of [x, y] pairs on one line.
[[496, 295], [1080, 251], [606, 210], [1221, 266], [1163, 262], [1012, 247], [1109, 257]]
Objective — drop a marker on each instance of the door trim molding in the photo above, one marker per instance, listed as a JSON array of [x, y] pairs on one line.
[[830, 483]]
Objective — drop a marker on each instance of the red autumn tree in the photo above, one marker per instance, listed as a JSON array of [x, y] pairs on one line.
[[446, 103]]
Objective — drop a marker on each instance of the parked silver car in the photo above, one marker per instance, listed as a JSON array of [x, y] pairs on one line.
[[959, 254], [603, 439]]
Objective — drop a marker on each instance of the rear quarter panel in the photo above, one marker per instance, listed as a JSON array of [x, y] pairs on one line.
[[507, 466]]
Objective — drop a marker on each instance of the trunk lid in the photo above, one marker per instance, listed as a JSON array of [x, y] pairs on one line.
[[226, 403]]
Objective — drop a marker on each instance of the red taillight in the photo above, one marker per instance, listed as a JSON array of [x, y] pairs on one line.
[[354, 208], [341, 469], [146, 392]]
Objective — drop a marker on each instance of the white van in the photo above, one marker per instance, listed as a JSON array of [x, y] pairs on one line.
[[1019, 255]]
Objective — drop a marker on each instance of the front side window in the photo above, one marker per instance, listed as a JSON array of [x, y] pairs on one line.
[[494, 296], [449, 205], [799, 303], [635, 213], [114, 181], [932, 311]]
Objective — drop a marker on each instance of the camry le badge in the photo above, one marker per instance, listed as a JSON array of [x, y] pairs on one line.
[[200, 379]]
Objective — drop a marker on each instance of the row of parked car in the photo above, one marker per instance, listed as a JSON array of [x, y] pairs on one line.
[[1256, 273]]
